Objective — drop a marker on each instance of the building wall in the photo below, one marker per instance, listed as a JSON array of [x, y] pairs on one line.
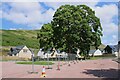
[[41, 54], [108, 50], [116, 54], [97, 53], [25, 53], [54, 54]]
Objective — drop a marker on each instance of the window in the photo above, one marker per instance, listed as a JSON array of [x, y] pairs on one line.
[[24, 50]]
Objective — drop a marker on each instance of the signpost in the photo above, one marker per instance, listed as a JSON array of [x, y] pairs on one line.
[[58, 66], [32, 72], [48, 62]]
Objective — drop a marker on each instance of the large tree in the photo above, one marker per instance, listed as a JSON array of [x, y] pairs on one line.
[[76, 27]]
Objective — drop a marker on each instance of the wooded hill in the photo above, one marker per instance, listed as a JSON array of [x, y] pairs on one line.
[[19, 37]]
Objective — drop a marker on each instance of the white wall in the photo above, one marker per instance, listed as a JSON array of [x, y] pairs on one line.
[[97, 53], [116, 54], [23, 54]]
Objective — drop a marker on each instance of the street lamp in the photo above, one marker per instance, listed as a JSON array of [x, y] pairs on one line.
[[48, 62], [32, 72]]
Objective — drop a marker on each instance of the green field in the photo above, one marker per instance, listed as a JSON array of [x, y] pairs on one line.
[[20, 37], [36, 63], [104, 56]]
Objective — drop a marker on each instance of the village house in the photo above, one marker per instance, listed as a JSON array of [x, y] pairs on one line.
[[21, 51], [111, 49], [51, 54], [95, 52]]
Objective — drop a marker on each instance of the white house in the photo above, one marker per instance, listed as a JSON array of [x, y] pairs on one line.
[[62, 55], [97, 52], [41, 54], [116, 54], [54, 53], [21, 51], [111, 49], [51, 54]]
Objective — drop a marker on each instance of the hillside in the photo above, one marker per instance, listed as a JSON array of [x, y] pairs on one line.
[[19, 37], [23, 37]]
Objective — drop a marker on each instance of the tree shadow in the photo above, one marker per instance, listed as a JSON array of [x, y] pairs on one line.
[[103, 73]]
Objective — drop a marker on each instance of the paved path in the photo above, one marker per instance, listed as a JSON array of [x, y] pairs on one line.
[[85, 69]]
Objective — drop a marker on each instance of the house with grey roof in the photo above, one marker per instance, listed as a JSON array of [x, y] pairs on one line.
[[51, 53], [21, 51], [95, 52], [110, 49]]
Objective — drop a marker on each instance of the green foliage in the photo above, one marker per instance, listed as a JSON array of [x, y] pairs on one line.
[[76, 27], [20, 37], [72, 27], [104, 56], [45, 36]]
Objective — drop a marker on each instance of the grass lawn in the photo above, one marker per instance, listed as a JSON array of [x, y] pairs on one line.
[[95, 58], [36, 62], [99, 57]]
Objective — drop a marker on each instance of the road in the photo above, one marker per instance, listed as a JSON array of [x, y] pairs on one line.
[[105, 68]]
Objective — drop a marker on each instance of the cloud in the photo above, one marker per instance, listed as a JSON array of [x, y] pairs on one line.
[[0, 10], [0, 13], [110, 40], [56, 5], [110, 28], [106, 13], [114, 36], [19, 0], [12, 29], [31, 14], [119, 33], [58, 0], [25, 7]]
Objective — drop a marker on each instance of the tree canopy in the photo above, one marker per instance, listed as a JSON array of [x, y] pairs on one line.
[[45, 36], [72, 27]]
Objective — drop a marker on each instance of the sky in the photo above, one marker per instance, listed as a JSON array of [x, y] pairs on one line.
[[32, 15]]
